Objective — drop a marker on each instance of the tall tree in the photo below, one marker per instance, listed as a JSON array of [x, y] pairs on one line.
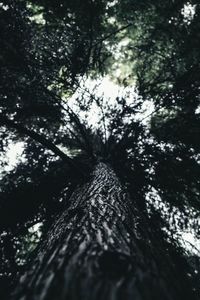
[[111, 195]]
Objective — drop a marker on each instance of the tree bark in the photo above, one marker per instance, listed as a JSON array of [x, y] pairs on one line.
[[95, 250]]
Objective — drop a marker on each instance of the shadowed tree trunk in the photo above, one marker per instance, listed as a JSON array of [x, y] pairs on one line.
[[95, 250]]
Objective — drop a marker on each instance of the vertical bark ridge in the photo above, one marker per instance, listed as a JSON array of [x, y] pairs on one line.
[[93, 251]]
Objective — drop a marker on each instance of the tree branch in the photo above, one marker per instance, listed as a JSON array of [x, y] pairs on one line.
[[113, 33], [37, 137]]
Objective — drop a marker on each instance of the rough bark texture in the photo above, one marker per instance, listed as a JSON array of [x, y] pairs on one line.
[[93, 251]]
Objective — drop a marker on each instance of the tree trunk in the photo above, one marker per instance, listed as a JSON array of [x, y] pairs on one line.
[[95, 250]]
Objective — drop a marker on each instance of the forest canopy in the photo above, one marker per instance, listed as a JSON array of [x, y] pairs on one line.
[[88, 82]]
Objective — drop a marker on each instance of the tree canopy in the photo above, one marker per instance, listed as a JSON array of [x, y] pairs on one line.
[[54, 58]]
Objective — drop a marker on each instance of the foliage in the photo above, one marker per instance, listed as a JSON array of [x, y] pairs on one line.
[[51, 53]]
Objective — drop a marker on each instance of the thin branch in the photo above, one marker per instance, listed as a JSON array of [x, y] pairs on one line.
[[75, 119], [80, 128], [113, 33], [37, 137]]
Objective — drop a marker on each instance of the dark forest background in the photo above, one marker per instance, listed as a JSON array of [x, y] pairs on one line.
[[51, 51]]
